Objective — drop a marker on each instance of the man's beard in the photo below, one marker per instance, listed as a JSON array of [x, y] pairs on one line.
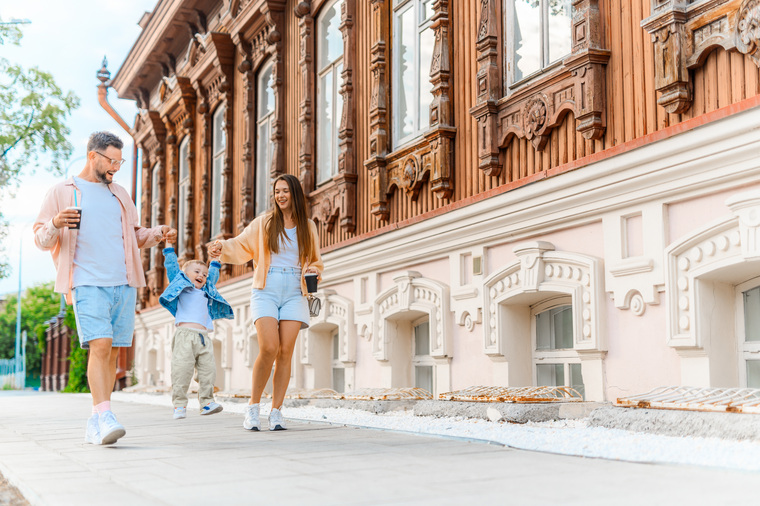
[[102, 177]]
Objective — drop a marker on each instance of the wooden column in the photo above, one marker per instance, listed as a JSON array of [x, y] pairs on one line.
[[378, 111], [305, 116]]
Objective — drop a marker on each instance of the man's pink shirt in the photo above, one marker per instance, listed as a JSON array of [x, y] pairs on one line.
[[62, 242]]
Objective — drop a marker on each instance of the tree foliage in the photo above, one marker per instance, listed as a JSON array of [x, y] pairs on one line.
[[38, 305], [33, 114]]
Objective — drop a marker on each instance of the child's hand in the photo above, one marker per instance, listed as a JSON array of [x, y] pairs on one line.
[[170, 234]]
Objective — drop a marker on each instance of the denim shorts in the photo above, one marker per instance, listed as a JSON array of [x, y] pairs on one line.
[[105, 312], [281, 298]]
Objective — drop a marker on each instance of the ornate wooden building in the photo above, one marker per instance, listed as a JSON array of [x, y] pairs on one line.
[[508, 192]]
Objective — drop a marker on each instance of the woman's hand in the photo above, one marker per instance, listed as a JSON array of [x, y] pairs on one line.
[[215, 249]]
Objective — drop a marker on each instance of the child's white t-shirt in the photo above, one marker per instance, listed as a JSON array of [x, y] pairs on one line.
[[192, 307]]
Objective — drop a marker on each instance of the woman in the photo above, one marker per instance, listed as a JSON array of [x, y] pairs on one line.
[[284, 246]]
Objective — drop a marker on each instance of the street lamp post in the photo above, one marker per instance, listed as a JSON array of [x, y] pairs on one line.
[[20, 372]]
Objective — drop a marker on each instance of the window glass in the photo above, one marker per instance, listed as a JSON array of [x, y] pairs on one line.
[[753, 373], [405, 71], [264, 118], [560, 39], [154, 209], [576, 379], [422, 339], [752, 314], [331, 39], [339, 379], [423, 377], [325, 125], [526, 38], [184, 186], [336, 346], [554, 329], [217, 182], [550, 375], [427, 44]]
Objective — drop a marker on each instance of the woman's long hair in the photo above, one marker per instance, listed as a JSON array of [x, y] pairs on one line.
[[275, 228]]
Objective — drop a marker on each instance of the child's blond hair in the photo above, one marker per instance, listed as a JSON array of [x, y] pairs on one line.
[[193, 262]]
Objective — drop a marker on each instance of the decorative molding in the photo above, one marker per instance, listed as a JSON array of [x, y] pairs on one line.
[[412, 292], [683, 33], [541, 269], [306, 114], [378, 110], [249, 122], [337, 312], [274, 14], [336, 200], [534, 110]]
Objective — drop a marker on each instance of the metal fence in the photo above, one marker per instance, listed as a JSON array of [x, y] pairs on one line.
[[12, 373]]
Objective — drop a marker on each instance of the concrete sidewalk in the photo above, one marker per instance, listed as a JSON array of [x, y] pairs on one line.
[[212, 460]]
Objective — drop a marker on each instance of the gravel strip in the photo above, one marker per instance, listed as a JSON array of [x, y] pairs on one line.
[[568, 437]]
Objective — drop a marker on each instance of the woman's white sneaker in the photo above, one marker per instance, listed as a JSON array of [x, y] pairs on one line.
[[110, 429], [251, 421], [92, 434], [276, 422]]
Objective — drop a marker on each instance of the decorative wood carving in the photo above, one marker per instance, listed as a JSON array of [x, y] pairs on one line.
[[212, 58], [246, 190], [378, 111], [151, 137], [684, 32], [305, 116], [177, 110], [274, 13], [442, 131], [336, 200], [532, 111], [433, 158]]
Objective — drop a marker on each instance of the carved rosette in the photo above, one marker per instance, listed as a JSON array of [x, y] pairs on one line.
[[378, 111], [683, 35]]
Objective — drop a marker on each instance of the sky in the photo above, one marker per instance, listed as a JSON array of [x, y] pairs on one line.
[[68, 39]]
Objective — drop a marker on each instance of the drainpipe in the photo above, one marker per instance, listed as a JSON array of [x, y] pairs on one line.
[[104, 76]]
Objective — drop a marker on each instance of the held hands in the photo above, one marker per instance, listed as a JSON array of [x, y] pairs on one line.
[[168, 234], [215, 249]]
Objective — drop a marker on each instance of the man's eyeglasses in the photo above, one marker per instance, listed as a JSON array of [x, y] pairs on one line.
[[115, 163]]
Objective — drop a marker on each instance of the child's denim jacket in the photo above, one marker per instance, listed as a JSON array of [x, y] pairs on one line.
[[217, 306]]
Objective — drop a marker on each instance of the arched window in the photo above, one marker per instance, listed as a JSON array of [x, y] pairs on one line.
[[538, 36], [329, 99], [413, 43], [184, 189], [219, 147], [748, 305], [264, 119], [556, 362]]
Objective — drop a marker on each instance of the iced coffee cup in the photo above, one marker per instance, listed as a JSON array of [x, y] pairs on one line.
[[311, 282], [78, 210]]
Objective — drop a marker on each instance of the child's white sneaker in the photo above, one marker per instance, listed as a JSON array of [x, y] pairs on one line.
[[251, 421], [211, 408], [180, 413], [276, 422]]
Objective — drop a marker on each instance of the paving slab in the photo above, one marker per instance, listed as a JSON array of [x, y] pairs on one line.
[[211, 459]]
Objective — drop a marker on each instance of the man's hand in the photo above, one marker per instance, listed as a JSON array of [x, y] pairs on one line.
[[215, 249], [66, 218], [169, 234]]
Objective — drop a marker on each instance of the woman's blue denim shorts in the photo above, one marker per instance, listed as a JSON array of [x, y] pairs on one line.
[[281, 298]]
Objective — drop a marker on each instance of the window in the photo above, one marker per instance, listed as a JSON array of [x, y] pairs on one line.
[[749, 338], [219, 146], [329, 99], [421, 359], [338, 370], [264, 120], [556, 363], [184, 190], [154, 209], [413, 43], [538, 36]]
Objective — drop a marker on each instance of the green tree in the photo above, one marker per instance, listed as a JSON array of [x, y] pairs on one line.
[[38, 305], [33, 112]]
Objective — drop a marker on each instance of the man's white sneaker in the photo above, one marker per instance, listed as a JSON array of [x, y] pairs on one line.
[[276, 422], [211, 408], [110, 429], [180, 413], [251, 421], [92, 433]]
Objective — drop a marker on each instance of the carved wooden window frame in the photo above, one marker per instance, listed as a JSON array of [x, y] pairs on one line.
[[432, 157], [262, 176], [335, 200], [531, 111], [260, 44], [218, 154], [211, 58], [683, 35], [150, 138]]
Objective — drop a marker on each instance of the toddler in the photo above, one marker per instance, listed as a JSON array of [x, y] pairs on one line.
[[193, 300]]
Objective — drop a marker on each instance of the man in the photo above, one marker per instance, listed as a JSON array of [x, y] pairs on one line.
[[98, 267]]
